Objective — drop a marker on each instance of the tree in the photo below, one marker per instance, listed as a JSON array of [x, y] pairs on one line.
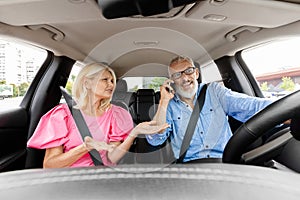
[[69, 87], [264, 86], [16, 90], [73, 78], [23, 88], [134, 89], [287, 84], [156, 83]]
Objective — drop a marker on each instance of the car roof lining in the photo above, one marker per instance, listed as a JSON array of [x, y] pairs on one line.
[[90, 10], [91, 22]]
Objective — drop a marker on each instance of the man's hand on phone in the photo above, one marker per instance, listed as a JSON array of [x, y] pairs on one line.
[[166, 90]]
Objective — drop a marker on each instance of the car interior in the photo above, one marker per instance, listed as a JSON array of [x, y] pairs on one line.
[[129, 60], [137, 39]]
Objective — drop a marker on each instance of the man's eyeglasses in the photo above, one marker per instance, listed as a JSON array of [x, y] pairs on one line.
[[187, 71]]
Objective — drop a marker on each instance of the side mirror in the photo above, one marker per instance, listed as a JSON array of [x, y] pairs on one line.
[[112, 9]]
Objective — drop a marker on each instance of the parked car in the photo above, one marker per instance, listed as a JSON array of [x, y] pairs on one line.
[[6, 91], [240, 44]]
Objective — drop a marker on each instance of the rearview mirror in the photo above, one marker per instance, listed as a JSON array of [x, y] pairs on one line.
[[124, 8]]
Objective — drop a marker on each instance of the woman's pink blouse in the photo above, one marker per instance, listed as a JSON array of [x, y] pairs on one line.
[[57, 127]]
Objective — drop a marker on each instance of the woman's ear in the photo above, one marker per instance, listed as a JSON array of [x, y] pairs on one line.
[[86, 83]]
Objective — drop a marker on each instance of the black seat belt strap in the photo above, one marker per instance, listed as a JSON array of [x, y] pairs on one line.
[[81, 125], [192, 124]]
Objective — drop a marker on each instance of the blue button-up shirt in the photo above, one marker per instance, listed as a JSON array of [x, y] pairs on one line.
[[212, 131]]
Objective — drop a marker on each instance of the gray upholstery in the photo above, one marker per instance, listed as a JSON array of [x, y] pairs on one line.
[[121, 86], [124, 98]]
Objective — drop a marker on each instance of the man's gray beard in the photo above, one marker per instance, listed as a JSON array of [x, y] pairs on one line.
[[186, 94]]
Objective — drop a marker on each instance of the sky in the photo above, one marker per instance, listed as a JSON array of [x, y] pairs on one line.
[[279, 56]]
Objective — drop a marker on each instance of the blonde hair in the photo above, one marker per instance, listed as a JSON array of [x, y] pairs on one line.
[[80, 92], [180, 59]]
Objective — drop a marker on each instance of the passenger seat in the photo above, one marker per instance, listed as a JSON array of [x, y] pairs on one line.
[[123, 98]]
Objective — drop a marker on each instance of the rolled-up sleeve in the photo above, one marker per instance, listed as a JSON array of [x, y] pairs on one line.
[[240, 106]]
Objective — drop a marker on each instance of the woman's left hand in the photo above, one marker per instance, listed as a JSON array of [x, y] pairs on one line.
[[90, 144], [148, 128]]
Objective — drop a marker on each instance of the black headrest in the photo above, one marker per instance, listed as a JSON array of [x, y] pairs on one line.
[[145, 92], [157, 97], [121, 85], [145, 95]]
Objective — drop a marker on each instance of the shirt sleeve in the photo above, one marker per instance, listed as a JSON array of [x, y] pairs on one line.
[[51, 130], [121, 125], [160, 138], [240, 106]]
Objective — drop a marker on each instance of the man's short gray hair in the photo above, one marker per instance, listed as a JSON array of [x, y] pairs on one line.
[[179, 59]]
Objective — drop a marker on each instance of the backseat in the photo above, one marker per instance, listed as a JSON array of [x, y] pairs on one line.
[[142, 106], [145, 101], [153, 109], [123, 98], [146, 105]]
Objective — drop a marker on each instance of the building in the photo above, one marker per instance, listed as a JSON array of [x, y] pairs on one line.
[[19, 64]]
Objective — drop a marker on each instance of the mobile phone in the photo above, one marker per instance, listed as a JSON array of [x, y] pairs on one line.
[[173, 87]]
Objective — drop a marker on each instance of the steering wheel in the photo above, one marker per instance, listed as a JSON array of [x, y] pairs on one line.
[[274, 114]]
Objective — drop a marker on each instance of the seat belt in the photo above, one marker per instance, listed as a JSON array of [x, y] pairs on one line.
[[81, 125], [192, 124]]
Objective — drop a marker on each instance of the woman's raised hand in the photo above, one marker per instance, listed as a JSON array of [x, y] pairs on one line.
[[150, 127]]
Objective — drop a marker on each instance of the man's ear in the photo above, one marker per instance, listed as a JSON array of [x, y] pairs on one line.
[[199, 78], [197, 73]]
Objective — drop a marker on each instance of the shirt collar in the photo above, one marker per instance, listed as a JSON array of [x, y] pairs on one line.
[[176, 97]]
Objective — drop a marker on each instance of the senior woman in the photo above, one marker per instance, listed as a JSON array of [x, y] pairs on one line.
[[111, 126]]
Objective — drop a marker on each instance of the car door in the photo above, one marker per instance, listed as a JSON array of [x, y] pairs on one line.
[[18, 119]]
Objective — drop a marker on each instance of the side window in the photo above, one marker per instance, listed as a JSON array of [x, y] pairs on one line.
[[19, 64], [75, 70], [276, 66]]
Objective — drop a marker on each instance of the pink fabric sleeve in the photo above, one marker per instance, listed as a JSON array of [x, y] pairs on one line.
[[121, 125], [52, 129]]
